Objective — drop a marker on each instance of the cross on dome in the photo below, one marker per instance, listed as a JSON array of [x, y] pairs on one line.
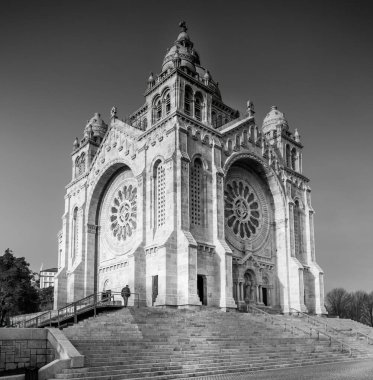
[[183, 26]]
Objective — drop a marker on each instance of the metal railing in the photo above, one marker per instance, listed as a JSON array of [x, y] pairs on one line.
[[291, 327], [314, 321], [72, 310]]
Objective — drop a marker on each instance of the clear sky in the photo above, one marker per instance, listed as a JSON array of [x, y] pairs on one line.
[[61, 61]]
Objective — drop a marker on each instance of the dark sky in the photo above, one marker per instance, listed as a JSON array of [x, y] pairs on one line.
[[61, 61]]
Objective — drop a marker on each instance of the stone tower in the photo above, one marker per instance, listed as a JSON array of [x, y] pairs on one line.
[[190, 203]]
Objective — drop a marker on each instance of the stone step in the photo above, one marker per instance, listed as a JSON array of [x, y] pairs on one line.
[[195, 371]]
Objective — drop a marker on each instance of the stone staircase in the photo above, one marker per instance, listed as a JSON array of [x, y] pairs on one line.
[[338, 329], [151, 343]]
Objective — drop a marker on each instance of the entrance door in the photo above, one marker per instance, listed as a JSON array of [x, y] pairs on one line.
[[202, 289], [265, 296], [154, 289]]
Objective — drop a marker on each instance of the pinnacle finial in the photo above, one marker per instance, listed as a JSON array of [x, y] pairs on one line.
[[182, 25], [113, 112]]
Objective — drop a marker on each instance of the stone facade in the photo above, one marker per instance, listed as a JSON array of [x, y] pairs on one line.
[[190, 203]]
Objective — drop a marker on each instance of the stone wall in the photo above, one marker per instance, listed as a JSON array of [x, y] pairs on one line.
[[22, 348]]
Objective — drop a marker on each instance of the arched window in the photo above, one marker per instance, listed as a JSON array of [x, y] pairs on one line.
[[297, 229], [157, 109], [287, 155], [81, 164], [167, 102], [214, 119], [159, 194], [220, 121], [196, 189], [74, 245], [77, 162], [188, 99], [198, 102], [293, 158]]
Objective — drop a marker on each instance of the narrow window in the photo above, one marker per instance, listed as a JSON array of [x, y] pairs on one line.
[[198, 106], [157, 110], [196, 176], [188, 100], [77, 162], [159, 195], [167, 101], [287, 155], [293, 158], [82, 164], [74, 247], [297, 229]]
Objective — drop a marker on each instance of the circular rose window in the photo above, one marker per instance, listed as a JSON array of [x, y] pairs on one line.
[[246, 211], [241, 209], [123, 213]]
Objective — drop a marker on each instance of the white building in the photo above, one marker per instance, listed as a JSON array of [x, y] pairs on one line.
[[190, 203], [46, 277]]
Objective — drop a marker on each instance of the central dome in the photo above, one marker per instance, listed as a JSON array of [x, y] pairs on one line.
[[183, 51]]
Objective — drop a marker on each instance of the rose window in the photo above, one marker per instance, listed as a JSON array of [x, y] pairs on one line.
[[241, 209], [123, 213]]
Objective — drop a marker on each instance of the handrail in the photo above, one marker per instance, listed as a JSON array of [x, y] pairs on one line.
[[316, 320], [279, 319], [72, 309]]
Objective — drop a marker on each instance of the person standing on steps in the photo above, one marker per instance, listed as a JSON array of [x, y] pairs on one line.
[[126, 292]]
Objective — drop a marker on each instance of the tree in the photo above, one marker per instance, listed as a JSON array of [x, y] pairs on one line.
[[46, 298], [17, 295], [356, 307], [367, 316], [338, 302]]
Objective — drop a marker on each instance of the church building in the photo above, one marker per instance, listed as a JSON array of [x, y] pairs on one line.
[[189, 202]]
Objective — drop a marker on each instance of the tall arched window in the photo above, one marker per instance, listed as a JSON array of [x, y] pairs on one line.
[[157, 109], [77, 162], [82, 164], [167, 103], [188, 99], [293, 158], [220, 121], [74, 245], [297, 229], [287, 155], [198, 102], [196, 189], [159, 194]]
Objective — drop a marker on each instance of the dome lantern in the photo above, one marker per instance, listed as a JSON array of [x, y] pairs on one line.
[[273, 119]]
